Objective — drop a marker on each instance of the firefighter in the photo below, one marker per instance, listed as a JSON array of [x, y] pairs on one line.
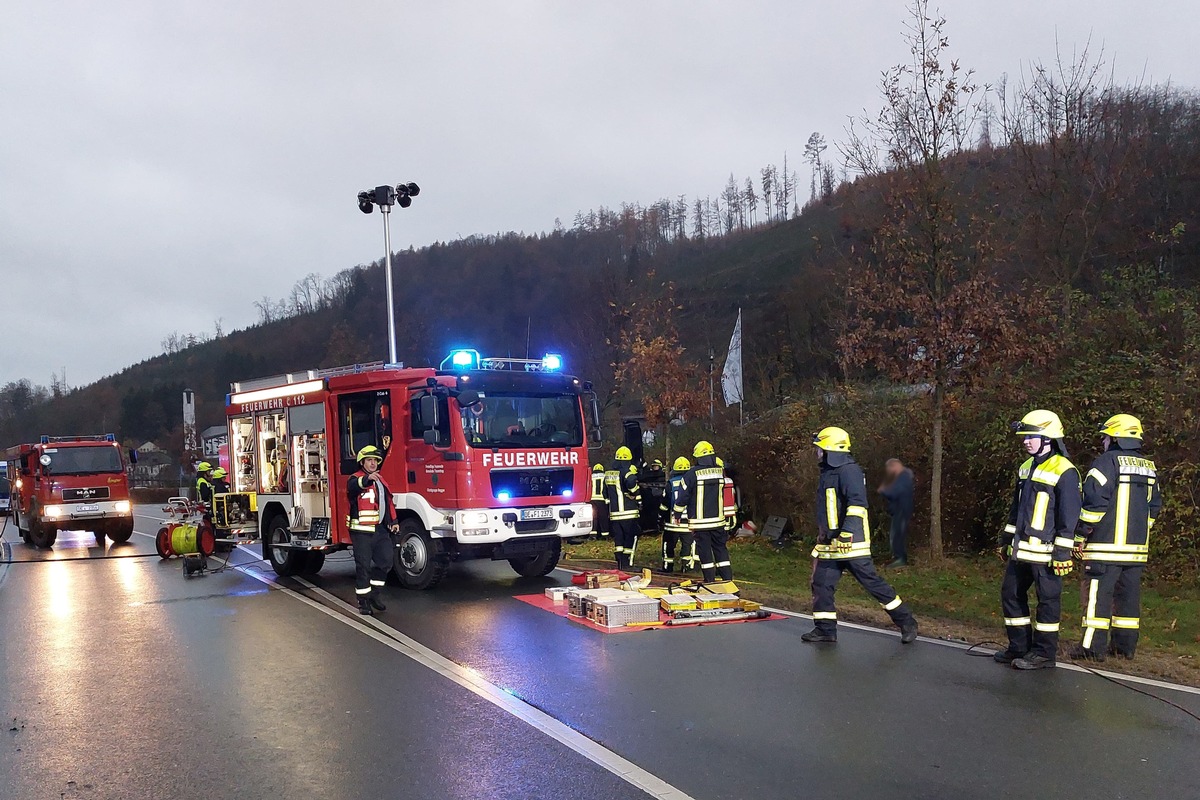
[[204, 488], [675, 527], [599, 507], [1120, 501], [653, 481], [844, 541], [219, 483], [372, 521], [1037, 543], [623, 494], [702, 498]]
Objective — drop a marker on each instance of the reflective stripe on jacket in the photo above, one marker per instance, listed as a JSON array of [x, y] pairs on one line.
[[841, 509], [622, 491], [1121, 498], [1045, 509], [367, 508], [668, 505], [597, 487]]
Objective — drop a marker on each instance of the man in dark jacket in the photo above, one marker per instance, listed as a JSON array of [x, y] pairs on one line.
[[898, 492], [701, 497], [623, 494], [372, 521], [844, 541]]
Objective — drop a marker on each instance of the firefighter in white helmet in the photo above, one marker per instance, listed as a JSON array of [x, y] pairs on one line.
[[1037, 542], [1121, 498], [844, 541], [372, 521]]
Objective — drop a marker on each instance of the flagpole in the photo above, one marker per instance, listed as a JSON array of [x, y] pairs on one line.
[[711, 403]]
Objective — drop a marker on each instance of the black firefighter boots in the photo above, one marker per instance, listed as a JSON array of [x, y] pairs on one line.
[[817, 636], [1007, 657], [1080, 653], [377, 601], [908, 632], [364, 605], [1033, 661]]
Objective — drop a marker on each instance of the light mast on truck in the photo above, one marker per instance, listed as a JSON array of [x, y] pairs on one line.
[[486, 457]]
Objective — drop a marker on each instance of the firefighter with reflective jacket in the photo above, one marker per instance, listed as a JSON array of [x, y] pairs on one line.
[[219, 484], [204, 487], [599, 507], [1120, 501], [623, 495], [702, 498], [1037, 542], [676, 532], [844, 541], [372, 521]]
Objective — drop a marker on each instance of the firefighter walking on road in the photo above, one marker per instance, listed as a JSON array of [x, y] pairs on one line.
[[1038, 540], [599, 506], [372, 521], [676, 532], [701, 498], [624, 497], [1121, 498], [844, 541]]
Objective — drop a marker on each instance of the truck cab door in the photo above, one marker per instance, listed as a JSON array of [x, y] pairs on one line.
[[429, 441]]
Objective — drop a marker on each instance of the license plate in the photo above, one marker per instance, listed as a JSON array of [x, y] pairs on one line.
[[82, 509], [536, 513]]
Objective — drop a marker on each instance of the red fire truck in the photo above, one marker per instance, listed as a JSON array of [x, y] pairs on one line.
[[73, 483], [486, 458]]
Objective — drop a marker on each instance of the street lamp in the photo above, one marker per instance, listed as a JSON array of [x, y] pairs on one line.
[[385, 197]]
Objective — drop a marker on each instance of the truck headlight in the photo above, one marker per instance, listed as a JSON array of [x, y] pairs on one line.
[[475, 518], [122, 507], [54, 511], [476, 531]]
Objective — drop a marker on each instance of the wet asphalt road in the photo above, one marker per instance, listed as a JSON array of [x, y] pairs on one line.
[[123, 679]]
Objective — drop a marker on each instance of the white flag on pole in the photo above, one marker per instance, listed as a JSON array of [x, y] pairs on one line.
[[731, 376]]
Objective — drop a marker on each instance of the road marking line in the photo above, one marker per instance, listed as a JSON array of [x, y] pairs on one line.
[[474, 682], [1117, 676]]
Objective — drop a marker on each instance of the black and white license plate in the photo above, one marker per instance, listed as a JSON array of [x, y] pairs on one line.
[[83, 509], [537, 513]]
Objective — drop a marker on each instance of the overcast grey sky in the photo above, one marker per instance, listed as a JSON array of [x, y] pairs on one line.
[[163, 165]]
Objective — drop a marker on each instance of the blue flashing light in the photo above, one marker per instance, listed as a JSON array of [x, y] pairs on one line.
[[567, 493], [463, 359], [503, 496], [552, 362]]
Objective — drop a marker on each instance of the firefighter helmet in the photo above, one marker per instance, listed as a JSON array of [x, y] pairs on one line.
[[370, 451], [1040, 423], [681, 465], [624, 454], [219, 473], [597, 468], [702, 449], [832, 440], [203, 466], [1122, 426]]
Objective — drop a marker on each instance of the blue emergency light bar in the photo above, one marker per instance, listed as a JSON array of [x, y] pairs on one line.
[[462, 359], [552, 362]]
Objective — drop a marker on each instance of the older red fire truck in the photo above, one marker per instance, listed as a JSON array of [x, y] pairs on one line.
[[70, 483], [486, 458]]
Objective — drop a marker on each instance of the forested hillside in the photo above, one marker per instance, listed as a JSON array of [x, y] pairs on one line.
[[1033, 244]]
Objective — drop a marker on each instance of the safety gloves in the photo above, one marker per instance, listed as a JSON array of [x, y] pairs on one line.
[[1077, 552], [1061, 561], [1005, 552], [845, 541]]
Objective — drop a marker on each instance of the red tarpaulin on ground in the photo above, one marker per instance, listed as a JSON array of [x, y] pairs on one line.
[[546, 604]]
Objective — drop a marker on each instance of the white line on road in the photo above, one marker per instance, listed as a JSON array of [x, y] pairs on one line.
[[474, 682]]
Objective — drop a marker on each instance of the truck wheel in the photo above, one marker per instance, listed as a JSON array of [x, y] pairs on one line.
[[284, 560], [313, 561], [418, 565], [539, 565], [42, 535], [99, 537], [120, 532]]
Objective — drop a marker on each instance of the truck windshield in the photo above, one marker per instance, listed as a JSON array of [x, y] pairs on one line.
[[508, 420], [84, 460]]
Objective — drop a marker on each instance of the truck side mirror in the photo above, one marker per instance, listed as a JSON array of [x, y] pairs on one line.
[[432, 437], [429, 414], [467, 397]]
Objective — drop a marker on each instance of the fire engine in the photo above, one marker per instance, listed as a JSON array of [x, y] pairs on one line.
[[486, 459], [70, 483]]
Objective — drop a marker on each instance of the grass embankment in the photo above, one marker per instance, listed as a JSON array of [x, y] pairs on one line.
[[956, 599]]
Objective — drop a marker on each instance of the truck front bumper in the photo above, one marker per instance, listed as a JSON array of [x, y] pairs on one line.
[[70, 512], [495, 525]]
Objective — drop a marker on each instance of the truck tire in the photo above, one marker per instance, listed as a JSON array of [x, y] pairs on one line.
[[537, 566], [313, 561], [284, 560], [42, 536], [99, 536], [120, 532], [418, 564]]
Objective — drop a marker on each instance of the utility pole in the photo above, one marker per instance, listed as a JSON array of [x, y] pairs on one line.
[[711, 402], [385, 197]]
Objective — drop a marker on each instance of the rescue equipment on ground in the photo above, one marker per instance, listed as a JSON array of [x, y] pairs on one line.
[[186, 532]]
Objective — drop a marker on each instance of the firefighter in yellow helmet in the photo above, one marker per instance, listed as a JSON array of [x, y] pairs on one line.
[[623, 495], [701, 497], [219, 483], [599, 507], [204, 487], [675, 529], [844, 541], [372, 521], [1121, 498], [1037, 542]]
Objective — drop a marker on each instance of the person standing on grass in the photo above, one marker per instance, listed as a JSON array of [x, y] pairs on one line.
[[844, 541], [898, 492]]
